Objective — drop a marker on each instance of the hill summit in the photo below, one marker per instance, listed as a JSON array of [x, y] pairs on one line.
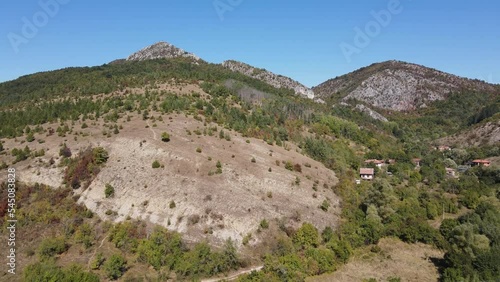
[[161, 50], [400, 86]]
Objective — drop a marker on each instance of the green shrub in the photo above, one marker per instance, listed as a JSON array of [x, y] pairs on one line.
[[85, 235], [264, 224], [52, 246], [297, 181], [165, 137], [109, 191], [100, 155], [30, 137], [325, 205], [49, 271], [115, 266], [156, 164], [219, 167], [97, 262], [246, 239]]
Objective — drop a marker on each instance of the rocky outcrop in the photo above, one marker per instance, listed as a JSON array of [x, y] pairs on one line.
[[270, 78], [398, 86], [161, 50], [373, 114]]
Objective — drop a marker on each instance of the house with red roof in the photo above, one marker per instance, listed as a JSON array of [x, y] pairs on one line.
[[481, 163], [378, 163]]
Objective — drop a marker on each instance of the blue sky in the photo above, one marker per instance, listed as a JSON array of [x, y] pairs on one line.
[[307, 41]]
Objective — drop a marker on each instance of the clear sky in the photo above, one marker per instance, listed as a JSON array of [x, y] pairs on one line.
[[310, 41]]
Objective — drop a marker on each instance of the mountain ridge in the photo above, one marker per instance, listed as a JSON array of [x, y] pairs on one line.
[[276, 80]]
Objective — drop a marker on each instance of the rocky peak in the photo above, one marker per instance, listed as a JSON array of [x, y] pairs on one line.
[[270, 78], [160, 50]]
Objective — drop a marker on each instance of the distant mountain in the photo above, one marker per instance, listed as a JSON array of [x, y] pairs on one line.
[[270, 78], [399, 86], [161, 50]]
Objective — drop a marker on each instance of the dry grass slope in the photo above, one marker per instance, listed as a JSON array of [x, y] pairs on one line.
[[410, 262]]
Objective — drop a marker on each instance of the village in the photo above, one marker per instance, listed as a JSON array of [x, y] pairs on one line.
[[371, 166]]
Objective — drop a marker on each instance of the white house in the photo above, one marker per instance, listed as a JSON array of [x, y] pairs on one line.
[[366, 173]]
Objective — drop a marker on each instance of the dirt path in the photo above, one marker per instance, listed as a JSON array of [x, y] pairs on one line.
[[93, 255], [234, 275], [150, 128]]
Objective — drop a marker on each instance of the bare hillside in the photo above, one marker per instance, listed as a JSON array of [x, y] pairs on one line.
[[485, 133], [186, 194]]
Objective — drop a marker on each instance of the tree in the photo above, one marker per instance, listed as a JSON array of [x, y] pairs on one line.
[[447, 227], [230, 256], [307, 236], [115, 266]]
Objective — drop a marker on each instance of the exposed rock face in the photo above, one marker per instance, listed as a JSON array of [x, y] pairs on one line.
[[268, 77], [161, 50], [373, 114], [398, 86]]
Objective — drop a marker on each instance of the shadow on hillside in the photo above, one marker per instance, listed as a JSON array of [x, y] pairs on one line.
[[440, 264]]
